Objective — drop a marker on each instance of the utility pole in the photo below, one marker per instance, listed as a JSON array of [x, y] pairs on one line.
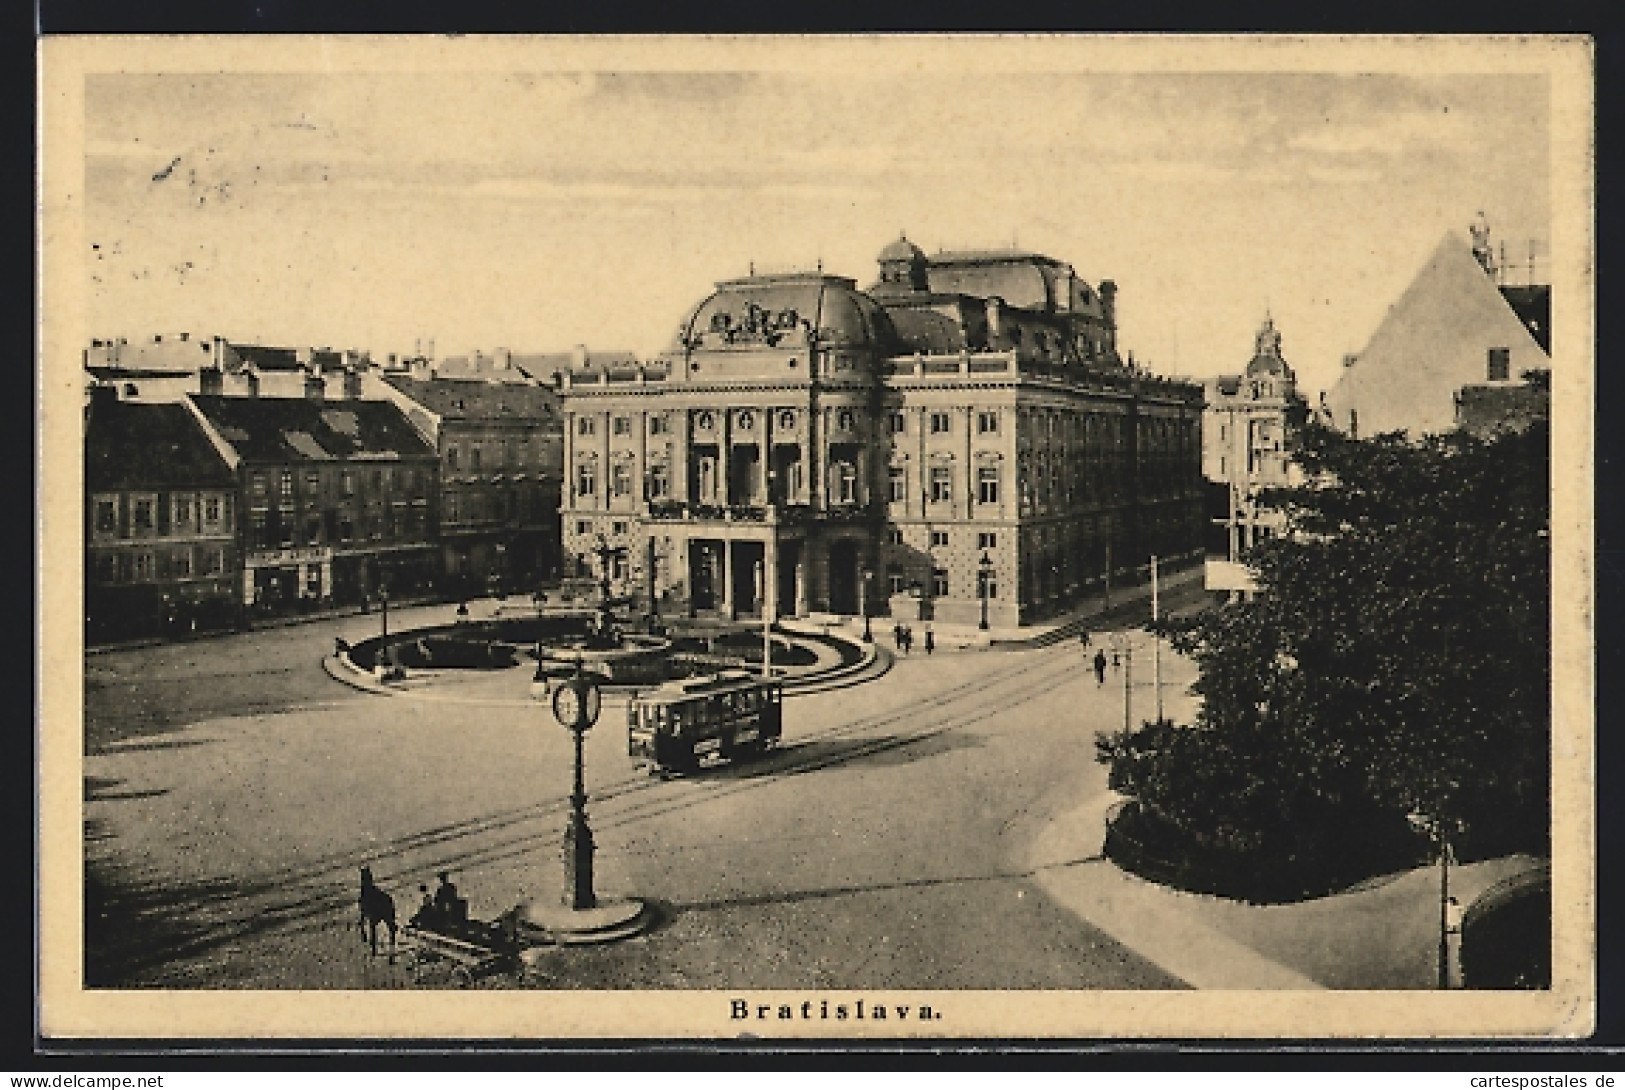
[[1156, 647], [1128, 681]]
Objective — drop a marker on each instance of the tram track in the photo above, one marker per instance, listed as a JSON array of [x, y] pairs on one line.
[[290, 897]]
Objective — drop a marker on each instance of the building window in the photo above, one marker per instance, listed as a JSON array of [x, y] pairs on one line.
[[620, 479], [942, 484], [106, 568], [141, 567], [313, 530], [747, 420], [585, 425], [183, 512], [787, 419], [141, 515], [796, 483], [106, 516], [939, 538], [659, 425], [987, 484], [894, 577], [990, 583], [844, 420], [453, 506], [621, 425], [285, 486], [214, 561], [1500, 364], [180, 564], [940, 424], [986, 540], [987, 423], [473, 458], [313, 483], [211, 510], [583, 527], [586, 479], [451, 457], [705, 422], [894, 536], [256, 488], [846, 482], [939, 582], [708, 480], [347, 482], [659, 482], [896, 423], [618, 529], [899, 484]]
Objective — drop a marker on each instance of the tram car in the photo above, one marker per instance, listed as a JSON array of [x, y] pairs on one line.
[[734, 714]]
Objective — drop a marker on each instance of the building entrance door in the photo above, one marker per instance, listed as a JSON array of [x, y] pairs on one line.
[[747, 578], [843, 577], [704, 574], [788, 559]]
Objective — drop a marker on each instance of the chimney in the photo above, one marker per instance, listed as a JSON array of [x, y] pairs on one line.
[[301, 356], [315, 388], [253, 377], [503, 359], [578, 357], [220, 353], [352, 383], [211, 380], [1350, 359], [1108, 302], [392, 361], [185, 337]]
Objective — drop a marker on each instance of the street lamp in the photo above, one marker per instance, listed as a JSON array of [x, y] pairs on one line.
[[984, 574], [576, 705], [383, 597], [863, 603]]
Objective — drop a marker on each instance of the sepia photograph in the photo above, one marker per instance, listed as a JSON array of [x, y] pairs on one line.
[[836, 538]]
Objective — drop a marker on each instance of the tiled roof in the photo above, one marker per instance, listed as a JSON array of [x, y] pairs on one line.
[[135, 445], [461, 399], [295, 429]]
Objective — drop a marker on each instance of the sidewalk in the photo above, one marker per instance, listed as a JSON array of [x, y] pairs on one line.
[[1381, 935]]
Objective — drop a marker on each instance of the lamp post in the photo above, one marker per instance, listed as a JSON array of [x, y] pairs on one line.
[[863, 603], [383, 598], [1156, 648], [984, 572], [575, 706]]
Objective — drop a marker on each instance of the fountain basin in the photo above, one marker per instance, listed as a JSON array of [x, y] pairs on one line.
[[639, 660]]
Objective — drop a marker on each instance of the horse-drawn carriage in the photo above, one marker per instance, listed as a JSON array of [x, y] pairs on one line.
[[441, 935]]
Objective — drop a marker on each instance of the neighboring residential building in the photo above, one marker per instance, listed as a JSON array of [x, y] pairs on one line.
[[1452, 327], [1484, 409], [501, 463], [808, 447], [161, 548], [1248, 431], [336, 496]]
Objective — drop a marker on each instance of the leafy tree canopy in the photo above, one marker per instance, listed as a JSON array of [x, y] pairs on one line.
[[1395, 661]]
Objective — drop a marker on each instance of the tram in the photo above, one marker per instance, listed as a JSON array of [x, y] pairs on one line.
[[733, 714]]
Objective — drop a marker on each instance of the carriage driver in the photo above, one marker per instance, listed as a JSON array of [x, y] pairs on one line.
[[446, 902]]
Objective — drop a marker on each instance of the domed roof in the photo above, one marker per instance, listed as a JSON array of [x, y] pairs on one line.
[[779, 309], [901, 250]]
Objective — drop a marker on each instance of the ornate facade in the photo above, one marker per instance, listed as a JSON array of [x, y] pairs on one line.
[[1247, 439], [807, 447]]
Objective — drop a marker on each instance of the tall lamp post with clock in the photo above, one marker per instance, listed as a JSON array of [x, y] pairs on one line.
[[581, 918]]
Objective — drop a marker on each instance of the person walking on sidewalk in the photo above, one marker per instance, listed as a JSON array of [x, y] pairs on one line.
[[1100, 668], [930, 640]]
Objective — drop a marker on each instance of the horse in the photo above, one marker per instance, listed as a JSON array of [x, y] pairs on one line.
[[376, 907]]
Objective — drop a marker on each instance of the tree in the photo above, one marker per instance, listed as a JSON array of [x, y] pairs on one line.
[[1395, 665]]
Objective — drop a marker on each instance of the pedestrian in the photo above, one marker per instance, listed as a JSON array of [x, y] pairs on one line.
[[930, 640], [897, 636], [1083, 638], [1100, 668], [1117, 658], [908, 639]]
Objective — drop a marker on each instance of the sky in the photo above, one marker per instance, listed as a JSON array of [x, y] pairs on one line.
[[535, 210]]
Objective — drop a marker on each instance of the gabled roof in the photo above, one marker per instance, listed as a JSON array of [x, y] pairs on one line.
[[296, 429], [474, 399], [131, 445], [1434, 340], [1532, 303]]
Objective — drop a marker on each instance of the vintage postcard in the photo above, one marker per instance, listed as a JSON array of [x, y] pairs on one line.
[[803, 538]]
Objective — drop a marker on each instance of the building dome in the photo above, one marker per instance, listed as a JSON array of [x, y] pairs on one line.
[[902, 250], [784, 310]]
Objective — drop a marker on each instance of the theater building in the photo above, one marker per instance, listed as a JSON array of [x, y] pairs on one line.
[[965, 424]]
